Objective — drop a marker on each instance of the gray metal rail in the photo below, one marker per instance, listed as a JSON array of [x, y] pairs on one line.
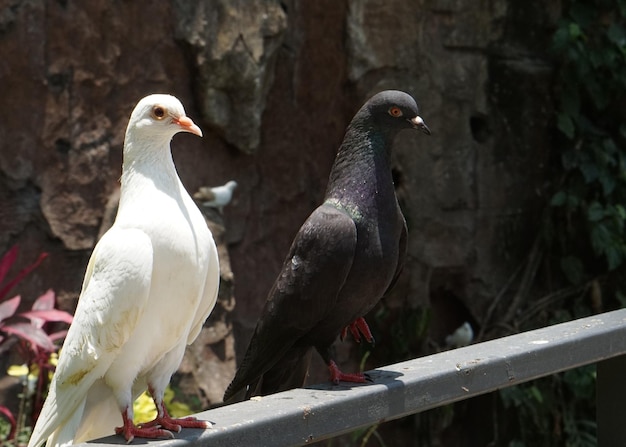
[[302, 416]]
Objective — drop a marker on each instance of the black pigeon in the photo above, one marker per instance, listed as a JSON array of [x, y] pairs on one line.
[[347, 254]]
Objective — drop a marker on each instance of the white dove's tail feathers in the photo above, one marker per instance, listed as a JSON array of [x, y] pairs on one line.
[[64, 434], [62, 413], [95, 416], [100, 416], [51, 426]]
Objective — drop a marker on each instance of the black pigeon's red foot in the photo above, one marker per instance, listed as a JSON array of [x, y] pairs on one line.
[[337, 376], [131, 431], [358, 327]]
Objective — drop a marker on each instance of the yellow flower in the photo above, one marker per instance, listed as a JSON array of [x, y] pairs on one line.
[[145, 410], [176, 409], [28, 376], [18, 370]]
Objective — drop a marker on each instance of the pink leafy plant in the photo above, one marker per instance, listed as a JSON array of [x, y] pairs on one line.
[[27, 329]]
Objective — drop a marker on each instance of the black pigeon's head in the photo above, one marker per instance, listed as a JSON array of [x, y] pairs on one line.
[[395, 110]]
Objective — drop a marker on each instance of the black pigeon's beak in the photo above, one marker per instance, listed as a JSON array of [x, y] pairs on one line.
[[418, 123]]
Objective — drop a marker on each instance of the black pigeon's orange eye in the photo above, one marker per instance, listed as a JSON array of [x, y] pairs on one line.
[[158, 112], [395, 112]]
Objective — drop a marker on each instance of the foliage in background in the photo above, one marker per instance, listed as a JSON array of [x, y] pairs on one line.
[[26, 333], [584, 231], [588, 216], [552, 411]]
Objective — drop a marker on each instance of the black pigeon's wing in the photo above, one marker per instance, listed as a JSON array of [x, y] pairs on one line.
[[312, 275], [403, 245]]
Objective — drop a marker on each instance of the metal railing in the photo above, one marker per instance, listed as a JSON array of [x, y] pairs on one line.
[[306, 415]]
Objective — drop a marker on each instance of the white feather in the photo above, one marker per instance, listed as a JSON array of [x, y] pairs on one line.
[[151, 282]]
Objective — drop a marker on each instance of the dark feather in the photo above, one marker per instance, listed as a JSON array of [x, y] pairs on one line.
[[344, 258]]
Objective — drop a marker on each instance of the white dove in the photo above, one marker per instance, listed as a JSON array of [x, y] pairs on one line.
[[151, 282], [217, 196]]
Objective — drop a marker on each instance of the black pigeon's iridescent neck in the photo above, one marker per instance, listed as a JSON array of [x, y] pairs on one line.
[[362, 168]]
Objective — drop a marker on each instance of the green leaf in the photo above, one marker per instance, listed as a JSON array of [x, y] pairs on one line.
[[573, 269], [566, 125], [621, 298], [595, 212], [559, 199], [590, 171], [582, 14], [608, 184], [561, 38], [516, 443], [570, 102], [574, 30], [609, 147], [614, 256], [536, 394], [569, 159], [600, 238], [615, 33], [598, 92]]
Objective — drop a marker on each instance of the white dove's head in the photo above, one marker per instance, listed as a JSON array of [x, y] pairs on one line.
[[160, 116]]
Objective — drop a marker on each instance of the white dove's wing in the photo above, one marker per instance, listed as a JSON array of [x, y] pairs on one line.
[[209, 294], [114, 296]]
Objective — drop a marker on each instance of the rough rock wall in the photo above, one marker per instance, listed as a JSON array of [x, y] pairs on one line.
[[274, 84]]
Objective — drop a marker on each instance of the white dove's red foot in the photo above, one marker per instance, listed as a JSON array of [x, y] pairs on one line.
[[337, 376], [164, 420], [358, 327], [131, 431]]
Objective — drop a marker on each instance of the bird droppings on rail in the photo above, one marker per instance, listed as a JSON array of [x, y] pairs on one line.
[[306, 412], [539, 342], [510, 374]]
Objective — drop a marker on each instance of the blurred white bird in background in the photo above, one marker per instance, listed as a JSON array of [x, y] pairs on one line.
[[217, 196], [462, 336]]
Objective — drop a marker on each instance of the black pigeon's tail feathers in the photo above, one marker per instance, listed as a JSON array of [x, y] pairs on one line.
[[290, 372], [287, 373]]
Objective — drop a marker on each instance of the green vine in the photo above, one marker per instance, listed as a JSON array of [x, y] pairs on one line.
[[585, 228], [590, 204]]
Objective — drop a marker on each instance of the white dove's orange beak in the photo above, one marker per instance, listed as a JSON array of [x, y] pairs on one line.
[[187, 125]]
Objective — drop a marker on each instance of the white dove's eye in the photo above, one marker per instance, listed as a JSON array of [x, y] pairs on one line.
[[158, 112], [395, 111]]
